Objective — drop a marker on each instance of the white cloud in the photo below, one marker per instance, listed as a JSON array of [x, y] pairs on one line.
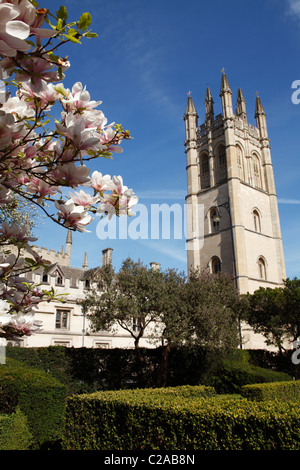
[[294, 7], [288, 201]]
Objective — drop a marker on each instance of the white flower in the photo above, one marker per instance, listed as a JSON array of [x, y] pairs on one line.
[[13, 32]]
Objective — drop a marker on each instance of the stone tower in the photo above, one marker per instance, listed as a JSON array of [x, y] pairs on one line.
[[230, 176]]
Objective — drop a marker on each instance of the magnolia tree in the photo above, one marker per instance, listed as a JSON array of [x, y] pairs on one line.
[[40, 155]]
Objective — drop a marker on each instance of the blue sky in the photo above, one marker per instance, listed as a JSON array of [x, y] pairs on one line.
[[147, 57]]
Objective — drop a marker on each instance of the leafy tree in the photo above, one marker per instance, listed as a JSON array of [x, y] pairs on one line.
[[195, 311], [275, 313]]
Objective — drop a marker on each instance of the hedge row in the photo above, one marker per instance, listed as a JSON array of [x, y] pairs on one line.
[[39, 396], [162, 420], [85, 370], [14, 431], [273, 391]]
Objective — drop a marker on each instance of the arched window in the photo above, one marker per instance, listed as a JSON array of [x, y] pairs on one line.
[[205, 179], [213, 221], [256, 220], [262, 268], [215, 265], [222, 164], [240, 162], [256, 172]]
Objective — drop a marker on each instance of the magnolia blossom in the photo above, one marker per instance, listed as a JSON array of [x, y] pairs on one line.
[[83, 199], [70, 174], [73, 215], [42, 188], [100, 182], [13, 32], [14, 232], [17, 107], [9, 129], [38, 69], [79, 99], [22, 325], [75, 130]]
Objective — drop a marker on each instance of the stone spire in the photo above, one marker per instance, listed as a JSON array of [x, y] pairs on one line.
[[191, 120], [226, 96], [85, 261], [209, 107], [241, 106], [69, 245], [260, 117]]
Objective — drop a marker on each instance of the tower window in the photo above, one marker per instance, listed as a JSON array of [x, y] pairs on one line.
[[257, 172], [221, 158], [205, 179], [215, 265], [214, 224], [239, 159], [256, 221], [262, 269]]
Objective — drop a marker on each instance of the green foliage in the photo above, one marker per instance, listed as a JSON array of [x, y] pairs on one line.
[[275, 312], [289, 391], [186, 419], [14, 431], [235, 371], [39, 396]]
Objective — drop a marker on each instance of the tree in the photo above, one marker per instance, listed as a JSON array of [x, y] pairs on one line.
[[275, 313], [198, 311], [130, 299], [211, 305], [39, 155]]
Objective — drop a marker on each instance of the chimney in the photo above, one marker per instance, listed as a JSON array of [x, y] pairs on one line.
[[107, 256], [155, 266]]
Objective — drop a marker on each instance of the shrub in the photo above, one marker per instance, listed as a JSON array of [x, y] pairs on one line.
[[164, 420], [14, 431], [236, 371], [289, 391], [39, 396]]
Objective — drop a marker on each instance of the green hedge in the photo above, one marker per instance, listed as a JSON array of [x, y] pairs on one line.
[[39, 396], [164, 420], [289, 391], [14, 432], [236, 371]]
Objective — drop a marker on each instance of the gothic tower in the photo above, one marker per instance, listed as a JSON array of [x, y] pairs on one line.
[[230, 182]]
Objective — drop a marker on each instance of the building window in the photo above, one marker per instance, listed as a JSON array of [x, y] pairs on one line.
[[215, 265], [262, 269], [214, 224], [136, 324], [256, 172], [102, 345], [87, 284], [65, 344], [45, 277], [222, 165], [256, 221], [240, 164], [205, 179], [62, 319], [58, 279]]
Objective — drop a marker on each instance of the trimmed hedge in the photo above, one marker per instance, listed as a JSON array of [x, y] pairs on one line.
[[14, 431], [289, 391], [184, 420], [39, 396]]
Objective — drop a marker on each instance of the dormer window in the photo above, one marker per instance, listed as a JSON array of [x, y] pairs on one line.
[[58, 279], [45, 278]]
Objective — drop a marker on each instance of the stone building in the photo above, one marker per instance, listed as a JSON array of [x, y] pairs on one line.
[[66, 324], [233, 214]]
